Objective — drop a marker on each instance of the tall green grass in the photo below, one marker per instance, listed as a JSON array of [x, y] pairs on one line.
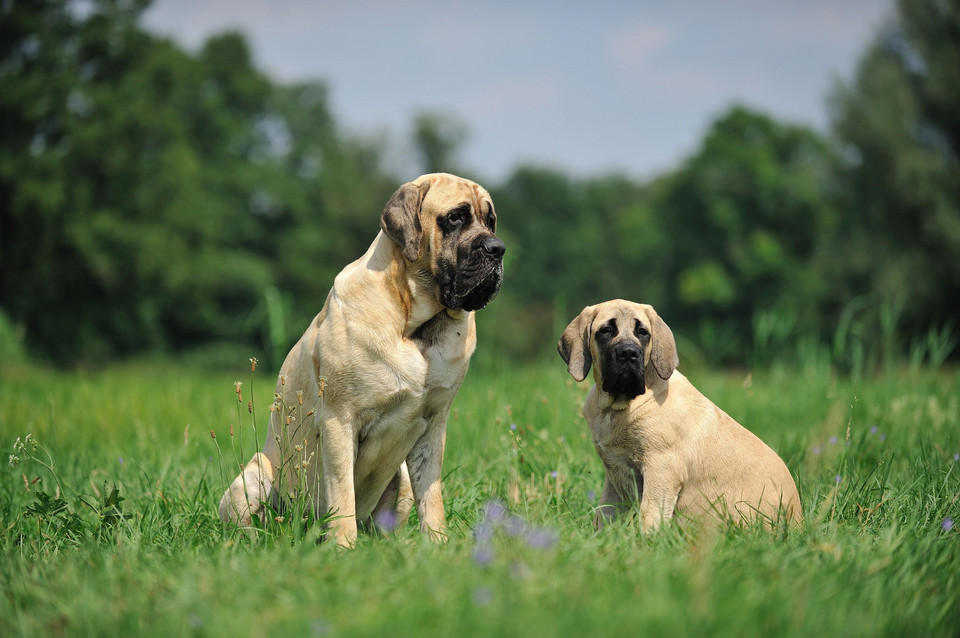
[[109, 527]]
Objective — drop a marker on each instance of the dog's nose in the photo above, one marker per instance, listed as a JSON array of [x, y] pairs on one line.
[[491, 246], [627, 353]]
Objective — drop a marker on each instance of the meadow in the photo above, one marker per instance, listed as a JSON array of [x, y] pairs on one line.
[[108, 519]]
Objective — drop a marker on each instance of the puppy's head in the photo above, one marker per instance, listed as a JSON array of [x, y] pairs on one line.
[[445, 226], [628, 345]]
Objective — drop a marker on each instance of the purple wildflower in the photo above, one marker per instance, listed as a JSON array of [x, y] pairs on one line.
[[120, 460], [483, 532], [873, 429], [494, 511], [386, 520], [947, 524], [833, 440], [483, 555], [956, 457], [591, 496], [553, 474], [838, 478], [513, 426], [541, 538]]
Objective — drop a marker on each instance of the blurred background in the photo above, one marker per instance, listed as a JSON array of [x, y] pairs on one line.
[[780, 180]]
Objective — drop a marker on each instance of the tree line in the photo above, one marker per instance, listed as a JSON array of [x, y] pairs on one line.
[[153, 199]]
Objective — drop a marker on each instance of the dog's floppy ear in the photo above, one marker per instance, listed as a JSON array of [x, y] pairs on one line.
[[574, 345], [663, 347], [401, 218]]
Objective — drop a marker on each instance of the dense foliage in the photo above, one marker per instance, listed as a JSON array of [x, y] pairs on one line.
[[154, 199]]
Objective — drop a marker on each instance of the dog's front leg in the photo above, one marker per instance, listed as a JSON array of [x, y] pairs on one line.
[[339, 456], [425, 463]]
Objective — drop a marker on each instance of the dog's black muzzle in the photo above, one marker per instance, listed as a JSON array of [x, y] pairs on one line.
[[478, 276], [623, 370]]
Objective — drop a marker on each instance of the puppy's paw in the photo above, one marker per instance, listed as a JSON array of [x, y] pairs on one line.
[[604, 515]]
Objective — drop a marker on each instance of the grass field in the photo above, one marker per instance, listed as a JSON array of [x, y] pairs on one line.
[[135, 548]]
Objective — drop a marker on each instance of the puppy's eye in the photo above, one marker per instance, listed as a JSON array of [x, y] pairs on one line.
[[606, 330], [641, 331]]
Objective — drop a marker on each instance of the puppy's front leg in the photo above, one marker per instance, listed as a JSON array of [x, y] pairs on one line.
[[339, 455], [425, 463], [611, 504], [660, 493]]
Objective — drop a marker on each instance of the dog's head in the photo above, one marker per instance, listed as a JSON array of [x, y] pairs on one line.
[[627, 343], [445, 226]]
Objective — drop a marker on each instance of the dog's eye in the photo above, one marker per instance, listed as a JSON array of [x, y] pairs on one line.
[[606, 330], [491, 218], [641, 331], [456, 217]]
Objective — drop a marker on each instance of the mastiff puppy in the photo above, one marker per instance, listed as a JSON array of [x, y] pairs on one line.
[[387, 354], [662, 442]]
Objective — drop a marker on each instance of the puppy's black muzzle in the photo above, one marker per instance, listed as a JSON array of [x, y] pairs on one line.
[[623, 370]]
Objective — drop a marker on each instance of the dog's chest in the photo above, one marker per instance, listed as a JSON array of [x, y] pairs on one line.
[[623, 464], [426, 380], [446, 344]]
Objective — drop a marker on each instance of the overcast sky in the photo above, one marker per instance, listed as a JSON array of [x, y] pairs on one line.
[[586, 87]]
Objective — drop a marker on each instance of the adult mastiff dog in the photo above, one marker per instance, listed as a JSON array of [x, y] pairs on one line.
[[388, 352]]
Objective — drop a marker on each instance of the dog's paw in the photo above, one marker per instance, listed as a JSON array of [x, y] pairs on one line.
[[248, 493]]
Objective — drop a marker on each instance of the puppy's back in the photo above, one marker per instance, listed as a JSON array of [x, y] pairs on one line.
[[734, 474]]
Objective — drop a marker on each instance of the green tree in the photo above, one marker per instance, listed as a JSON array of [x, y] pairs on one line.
[[143, 190], [568, 244], [745, 219], [899, 123], [329, 199]]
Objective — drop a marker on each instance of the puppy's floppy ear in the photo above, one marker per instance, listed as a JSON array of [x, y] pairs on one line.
[[401, 218], [574, 345], [663, 347]]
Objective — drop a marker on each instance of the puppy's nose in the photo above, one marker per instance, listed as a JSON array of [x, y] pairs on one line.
[[490, 245], [627, 353]]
